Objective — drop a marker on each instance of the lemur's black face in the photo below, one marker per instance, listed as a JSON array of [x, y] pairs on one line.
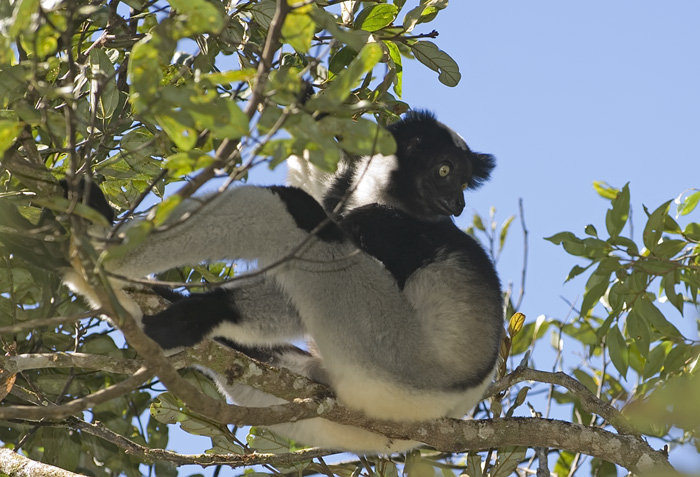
[[435, 167]]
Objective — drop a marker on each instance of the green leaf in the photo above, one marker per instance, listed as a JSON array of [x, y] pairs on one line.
[[688, 204], [145, 73], [616, 217], [362, 137], [692, 231], [655, 226], [559, 238], [426, 11], [617, 349], [590, 230], [596, 286], [341, 87], [508, 460], [654, 316], [228, 77], [298, 28], [104, 94], [9, 130], [395, 62], [504, 232], [676, 358], [178, 126], [22, 15], [655, 361], [437, 60], [632, 249], [184, 163], [668, 282], [575, 271], [202, 16], [376, 17], [638, 329], [355, 39]]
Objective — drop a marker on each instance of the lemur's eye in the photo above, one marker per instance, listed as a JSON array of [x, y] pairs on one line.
[[444, 170], [465, 185]]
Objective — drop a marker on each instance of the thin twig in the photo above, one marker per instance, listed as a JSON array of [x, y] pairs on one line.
[[48, 322], [77, 405]]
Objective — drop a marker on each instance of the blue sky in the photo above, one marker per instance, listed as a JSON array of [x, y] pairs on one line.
[[564, 94]]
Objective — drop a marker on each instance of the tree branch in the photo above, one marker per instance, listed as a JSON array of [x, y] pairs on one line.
[[204, 460], [17, 465], [589, 401], [78, 405], [22, 362]]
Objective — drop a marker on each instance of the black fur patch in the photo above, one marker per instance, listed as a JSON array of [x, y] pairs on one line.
[[337, 191], [308, 214], [95, 198], [189, 320], [404, 244]]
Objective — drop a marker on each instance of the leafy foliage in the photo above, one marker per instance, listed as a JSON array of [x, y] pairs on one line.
[[137, 95]]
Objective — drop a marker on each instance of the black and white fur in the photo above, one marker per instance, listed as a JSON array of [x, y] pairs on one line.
[[407, 329]]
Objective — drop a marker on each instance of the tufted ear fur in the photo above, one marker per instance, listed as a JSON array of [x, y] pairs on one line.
[[482, 168]]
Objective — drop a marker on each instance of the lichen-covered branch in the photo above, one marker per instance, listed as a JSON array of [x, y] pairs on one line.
[[17, 465]]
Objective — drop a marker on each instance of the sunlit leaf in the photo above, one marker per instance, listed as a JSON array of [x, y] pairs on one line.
[[298, 28], [605, 190], [376, 17], [688, 204], [341, 87], [202, 16], [616, 217], [8, 133]]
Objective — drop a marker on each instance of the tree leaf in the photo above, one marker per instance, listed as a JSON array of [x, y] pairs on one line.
[[8, 133], [437, 60], [655, 226], [688, 204], [395, 63], [616, 217], [654, 316], [617, 349], [362, 137], [376, 17], [341, 87], [104, 94], [423, 12], [638, 329], [504, 232], [605, 190], [202, 16], [298, 28]]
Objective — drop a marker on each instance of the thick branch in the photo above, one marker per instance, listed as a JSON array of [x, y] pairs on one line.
[[16, 465]]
